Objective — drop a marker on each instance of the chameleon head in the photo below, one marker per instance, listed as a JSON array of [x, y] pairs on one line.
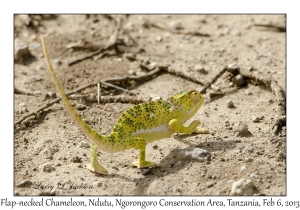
[[188, 101]]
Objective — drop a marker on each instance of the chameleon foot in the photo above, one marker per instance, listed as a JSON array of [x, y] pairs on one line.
[[144, 164], [201, 130], [97, 168], [94, 165]]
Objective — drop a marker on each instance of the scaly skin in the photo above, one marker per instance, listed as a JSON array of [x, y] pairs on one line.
[[139, 125]]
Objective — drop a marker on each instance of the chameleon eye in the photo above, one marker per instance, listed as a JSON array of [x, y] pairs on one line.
[[194, 93]]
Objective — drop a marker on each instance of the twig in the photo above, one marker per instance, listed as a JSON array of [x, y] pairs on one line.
[[99, 92], [53, 102], [278, 28], [110, 45], [22, 91], [111, 99], [138, 78], [118, 98], [184, 74], [148, 23], [277, 90], [117, 87], [258, 78], [207, 85]]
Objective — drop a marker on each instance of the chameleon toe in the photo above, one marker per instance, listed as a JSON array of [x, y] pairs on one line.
[[201, 130], [144, 164], [97, 169]]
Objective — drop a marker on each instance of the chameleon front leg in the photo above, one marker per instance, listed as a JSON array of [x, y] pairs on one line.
[[141, 162], [176, 126], [94, 164]]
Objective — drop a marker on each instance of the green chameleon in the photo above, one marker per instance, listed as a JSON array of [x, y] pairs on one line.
[[139, 125]]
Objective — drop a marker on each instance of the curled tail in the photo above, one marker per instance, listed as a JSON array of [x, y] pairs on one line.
[[98, 139]]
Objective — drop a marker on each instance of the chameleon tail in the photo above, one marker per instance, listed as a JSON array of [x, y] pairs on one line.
[[98, 139]]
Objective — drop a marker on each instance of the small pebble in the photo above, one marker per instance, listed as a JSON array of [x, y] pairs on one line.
[[84, 144], [237, 33], [195, 154], [255, 119], [48, 168], [200, 69], [22, 104], [76, 159], [188, 37], [243, 168], [229, 103], [253, 176], [130, 56], [209, 184], [248, 92], [131, 72], [248, 160], [258, 56], [146, 61], [57, 61], [175, 190], [156, 98], [243, 187], [239, 80], [114, 167], [177, 26], [155, 146], [57, 164], [240, 128], [80, 106], [159, 39], [152, 65], [21, 50], [146, 171], [250, 149]]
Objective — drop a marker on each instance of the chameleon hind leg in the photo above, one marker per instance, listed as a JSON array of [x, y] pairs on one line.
[[176, 126], [141, 162], [94, 165]]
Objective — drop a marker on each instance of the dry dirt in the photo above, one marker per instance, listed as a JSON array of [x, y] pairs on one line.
[[52, 138]]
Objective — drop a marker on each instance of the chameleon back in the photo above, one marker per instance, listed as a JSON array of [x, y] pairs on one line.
[[148, 120]]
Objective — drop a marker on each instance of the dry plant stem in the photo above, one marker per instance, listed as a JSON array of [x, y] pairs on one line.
[[279, 94], [186, 75], [148, 23], [53, 102], [22, 91], [114, 99], [258, 78], [275, 27], [116, 87], [208, 85], [138, 78], [112, 42]]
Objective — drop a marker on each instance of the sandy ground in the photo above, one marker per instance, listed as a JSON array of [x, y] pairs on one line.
[[52, 139]]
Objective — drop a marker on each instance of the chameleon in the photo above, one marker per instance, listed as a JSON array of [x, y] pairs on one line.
[[139, 125]]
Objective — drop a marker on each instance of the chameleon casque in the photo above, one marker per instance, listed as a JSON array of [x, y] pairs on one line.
[[139, 125]]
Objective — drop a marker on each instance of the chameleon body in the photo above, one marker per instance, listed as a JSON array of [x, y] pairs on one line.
[[140, 124]]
